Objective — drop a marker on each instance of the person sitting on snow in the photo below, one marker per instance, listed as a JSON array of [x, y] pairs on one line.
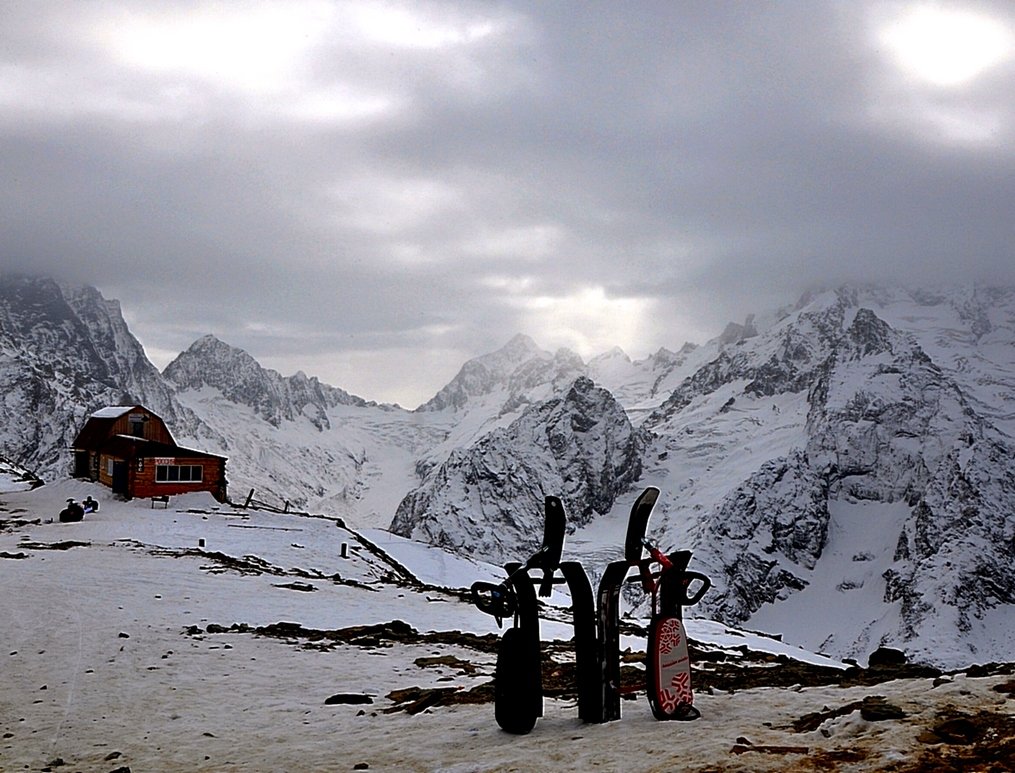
[[90, 505], [72, 512]]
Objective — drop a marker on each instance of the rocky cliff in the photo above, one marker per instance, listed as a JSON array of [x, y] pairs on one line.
[[64, 352], [239, 378], [486, 499]]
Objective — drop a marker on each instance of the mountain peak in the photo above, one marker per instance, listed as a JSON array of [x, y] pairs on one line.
[[242, 380], [491, 372], [520, 344], [615, 353], [207, 340]]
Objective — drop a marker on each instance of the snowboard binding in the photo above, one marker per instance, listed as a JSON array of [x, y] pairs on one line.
[[495, 599]]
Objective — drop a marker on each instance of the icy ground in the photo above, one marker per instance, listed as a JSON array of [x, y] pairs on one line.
[[126, 643]]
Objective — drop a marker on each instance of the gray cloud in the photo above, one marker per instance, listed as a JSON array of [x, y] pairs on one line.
[[339, 183]]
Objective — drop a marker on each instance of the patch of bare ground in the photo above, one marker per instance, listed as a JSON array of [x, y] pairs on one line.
[[716, 671]]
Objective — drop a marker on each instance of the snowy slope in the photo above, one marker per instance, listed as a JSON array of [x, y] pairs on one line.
[[129, 644], [359, 466], [847, 582]]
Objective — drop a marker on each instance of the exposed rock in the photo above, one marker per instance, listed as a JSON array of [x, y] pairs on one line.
[[304, 587], [347, 699], [488, 499], [886, 657], [240, 379], [64, 352], [769, 749], [446, 661], [64, 545]]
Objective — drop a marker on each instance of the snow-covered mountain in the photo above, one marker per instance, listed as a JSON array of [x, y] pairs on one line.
[[296, 440], [512, 373], [240, 379], [838, 482], [579, 446], [860, 471], [63, 352], [841, 468]]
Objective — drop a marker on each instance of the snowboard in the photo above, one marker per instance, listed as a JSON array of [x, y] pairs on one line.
[[518, 689], [518, 679], [669, 666], [669, 679]]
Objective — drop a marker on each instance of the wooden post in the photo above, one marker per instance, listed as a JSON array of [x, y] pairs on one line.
[[345, 550]]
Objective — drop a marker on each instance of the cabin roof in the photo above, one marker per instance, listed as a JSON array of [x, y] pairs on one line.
[[112, 411], [100, 423], [96, 429], [128, 446]]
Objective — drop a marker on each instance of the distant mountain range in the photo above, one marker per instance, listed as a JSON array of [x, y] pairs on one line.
[[842, 468]]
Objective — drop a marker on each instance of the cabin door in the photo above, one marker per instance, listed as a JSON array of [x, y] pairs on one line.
[[82, 464], [120, 478]]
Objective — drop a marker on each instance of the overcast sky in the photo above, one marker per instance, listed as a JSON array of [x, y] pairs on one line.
[[374, 192]]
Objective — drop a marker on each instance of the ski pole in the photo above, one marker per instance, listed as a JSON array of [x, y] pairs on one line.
[[657, 555], [648, 582]]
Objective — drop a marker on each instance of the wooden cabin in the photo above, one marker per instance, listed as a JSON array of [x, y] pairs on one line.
[[130, 449]]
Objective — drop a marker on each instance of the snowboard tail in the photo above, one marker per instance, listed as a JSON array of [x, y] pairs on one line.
[[518, 685], [669, 670]]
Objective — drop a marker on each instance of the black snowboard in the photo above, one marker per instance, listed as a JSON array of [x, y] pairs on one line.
[[517, 683]]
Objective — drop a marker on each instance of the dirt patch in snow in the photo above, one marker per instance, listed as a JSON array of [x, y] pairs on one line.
[[14, 524], [716, 671], [65, 545], [253, 565]]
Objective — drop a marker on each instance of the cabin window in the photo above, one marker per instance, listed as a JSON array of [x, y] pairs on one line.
[[178, 473], [136, 422]]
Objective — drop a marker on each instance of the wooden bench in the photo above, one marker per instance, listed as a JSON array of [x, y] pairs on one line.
[[163, 500]]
